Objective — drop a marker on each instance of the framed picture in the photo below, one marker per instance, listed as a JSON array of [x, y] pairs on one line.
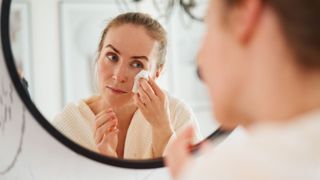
[[20, 38], [81, 27]]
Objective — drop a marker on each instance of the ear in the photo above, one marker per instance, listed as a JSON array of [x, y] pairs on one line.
[[158, 72], [244, 19]]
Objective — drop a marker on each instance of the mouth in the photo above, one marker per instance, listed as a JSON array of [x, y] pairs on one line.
[[116, 90]]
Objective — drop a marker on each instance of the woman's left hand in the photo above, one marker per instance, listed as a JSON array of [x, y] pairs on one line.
[[179, 153], [154, 105]]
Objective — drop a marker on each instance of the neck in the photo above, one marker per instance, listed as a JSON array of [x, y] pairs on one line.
[[284, 90], [278, 87], [123, 112], [295, 98]]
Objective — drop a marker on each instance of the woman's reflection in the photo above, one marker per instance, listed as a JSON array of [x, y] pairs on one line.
[[118, 122]]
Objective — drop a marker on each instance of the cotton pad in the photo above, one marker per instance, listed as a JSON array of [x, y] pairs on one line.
[[142, 74]]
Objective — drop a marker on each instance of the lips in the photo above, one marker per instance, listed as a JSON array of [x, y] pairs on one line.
[[116, 90]]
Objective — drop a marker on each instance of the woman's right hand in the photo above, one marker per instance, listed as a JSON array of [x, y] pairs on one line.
[[106, 132]]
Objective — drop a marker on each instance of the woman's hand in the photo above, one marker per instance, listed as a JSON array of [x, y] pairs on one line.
[[179, 155], [153, 104], [106, 132]]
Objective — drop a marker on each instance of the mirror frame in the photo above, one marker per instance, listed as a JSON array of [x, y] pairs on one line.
[[123, 163]]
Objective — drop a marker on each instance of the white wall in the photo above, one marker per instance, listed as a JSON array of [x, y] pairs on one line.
[[45, 79], [48, 90]]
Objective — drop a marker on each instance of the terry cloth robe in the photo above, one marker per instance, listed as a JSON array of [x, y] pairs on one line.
[[76, 122]]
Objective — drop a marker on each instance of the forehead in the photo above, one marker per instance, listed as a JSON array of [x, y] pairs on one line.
[[130, 39], [213, 9]]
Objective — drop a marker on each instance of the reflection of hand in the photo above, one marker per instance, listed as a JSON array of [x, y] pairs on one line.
[[153, 104], [106, 132], [178, 154]]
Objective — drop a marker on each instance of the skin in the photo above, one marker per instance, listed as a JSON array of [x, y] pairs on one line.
[[128, 49], [251, 73]]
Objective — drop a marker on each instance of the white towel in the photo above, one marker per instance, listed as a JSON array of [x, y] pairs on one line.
[[142, 74]]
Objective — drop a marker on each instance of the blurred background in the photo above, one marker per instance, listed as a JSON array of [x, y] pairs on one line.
[[54, 44]]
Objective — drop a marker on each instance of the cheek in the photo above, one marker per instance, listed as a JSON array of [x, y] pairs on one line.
[[216, 66], [213, 65], [104, 73], [131, 74], [103, 70]]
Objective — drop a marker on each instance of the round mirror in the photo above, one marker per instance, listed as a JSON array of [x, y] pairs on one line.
[[78, 62]]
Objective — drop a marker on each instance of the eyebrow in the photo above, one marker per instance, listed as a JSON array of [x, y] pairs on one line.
[[113, 48], [133, 57], [140, 57]]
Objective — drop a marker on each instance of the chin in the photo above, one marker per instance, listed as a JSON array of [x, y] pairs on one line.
[[120, 100]]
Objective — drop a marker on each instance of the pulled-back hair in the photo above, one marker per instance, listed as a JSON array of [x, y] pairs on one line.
[[300, 21]]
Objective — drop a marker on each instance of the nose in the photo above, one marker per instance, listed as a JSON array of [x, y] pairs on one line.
[[120, 74]]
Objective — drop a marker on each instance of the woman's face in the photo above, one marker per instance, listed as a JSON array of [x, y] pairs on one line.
[[127, 49], [221, 66]]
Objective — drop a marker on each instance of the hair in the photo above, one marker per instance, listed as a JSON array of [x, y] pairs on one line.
[[300, 23], [152, 27]]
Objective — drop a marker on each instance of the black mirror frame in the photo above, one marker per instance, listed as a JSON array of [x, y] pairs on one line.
[[8, 56]]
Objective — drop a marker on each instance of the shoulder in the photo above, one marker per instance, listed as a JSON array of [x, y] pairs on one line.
[[69, 109], [178, 106], [181, 115], [71, 112], [267, 153]]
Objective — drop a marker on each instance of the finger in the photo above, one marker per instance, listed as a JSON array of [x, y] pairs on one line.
[[112, 134], [204, 147], [147, 89], [186, 135], [104, 118], [139, 103], [177, 158], [107, 127], [104, 111], [99, 136], [109, 142], [143, 96], [157, 90], [103, 139]]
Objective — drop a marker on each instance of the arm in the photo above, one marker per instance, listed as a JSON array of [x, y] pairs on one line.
[[153, 103]]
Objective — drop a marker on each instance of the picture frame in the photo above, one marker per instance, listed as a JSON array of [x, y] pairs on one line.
[[21, 41]]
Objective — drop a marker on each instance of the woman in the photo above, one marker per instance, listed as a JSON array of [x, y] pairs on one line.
[[118, 122], [261, 62]]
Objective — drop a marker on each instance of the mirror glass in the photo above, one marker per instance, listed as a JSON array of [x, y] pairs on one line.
[[55, 46]]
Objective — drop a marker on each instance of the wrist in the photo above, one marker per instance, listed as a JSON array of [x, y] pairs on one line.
[[160, 139], [164, 129], [107, 151]]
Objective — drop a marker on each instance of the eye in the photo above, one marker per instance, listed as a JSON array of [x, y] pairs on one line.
[[112, 57], [137, 64]]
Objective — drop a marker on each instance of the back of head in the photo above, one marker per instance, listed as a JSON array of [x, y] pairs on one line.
[[300, 21]]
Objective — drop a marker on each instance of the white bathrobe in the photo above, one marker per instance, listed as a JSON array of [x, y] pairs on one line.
[[269, 152], [76, 122]]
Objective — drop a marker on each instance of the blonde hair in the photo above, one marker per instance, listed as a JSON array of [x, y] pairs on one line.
[[299, 20]]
